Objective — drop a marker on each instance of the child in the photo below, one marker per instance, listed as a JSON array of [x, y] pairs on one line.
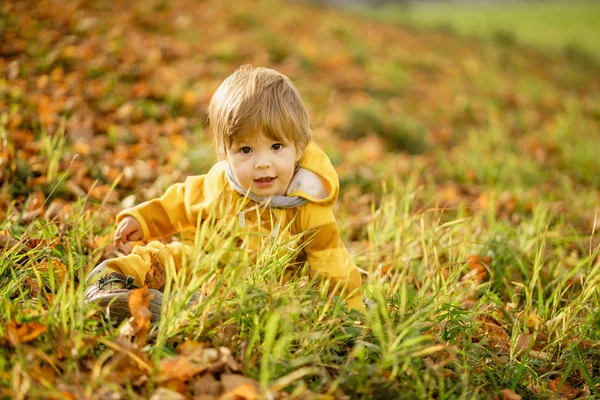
[[266, 157]]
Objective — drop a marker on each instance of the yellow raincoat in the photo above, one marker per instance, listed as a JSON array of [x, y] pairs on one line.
[[186, 205]]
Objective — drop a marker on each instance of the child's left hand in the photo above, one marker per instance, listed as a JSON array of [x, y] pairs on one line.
[[129, 229]]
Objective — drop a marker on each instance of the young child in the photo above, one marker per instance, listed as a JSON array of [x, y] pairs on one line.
[[266, 158]]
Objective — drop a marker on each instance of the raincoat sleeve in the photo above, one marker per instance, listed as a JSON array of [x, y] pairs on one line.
[[327, 255], [172, 212], [183, 206]]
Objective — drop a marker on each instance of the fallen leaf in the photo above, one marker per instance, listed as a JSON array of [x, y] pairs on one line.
[[479, 266], [507, 394], [564, 388], [104, 193], [53, 265], [56, 210], [33, 286], [163, 393], [42, 373], [179, 368], [206, 385], [23, 333], [43, 243], [239, 387], [227, 359], [139, 305], [494, 335], [524, 341], [190, 347], [531, 319], [129, 364], [156, 276], [7, 242]]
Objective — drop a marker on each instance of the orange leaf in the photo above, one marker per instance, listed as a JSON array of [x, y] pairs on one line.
[[139, 305], [190, 347], [507, 394], [22, 333], [239, 387], [531, 319], [104, 193], [156, 276], [480, 266], [179, 368], [53, 264]]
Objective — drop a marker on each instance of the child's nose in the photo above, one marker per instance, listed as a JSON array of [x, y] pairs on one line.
[[262, 161]]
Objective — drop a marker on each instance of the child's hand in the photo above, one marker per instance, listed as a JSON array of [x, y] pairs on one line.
[[129, 229]]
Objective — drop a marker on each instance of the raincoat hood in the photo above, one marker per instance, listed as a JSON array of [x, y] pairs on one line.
[[316, 179]]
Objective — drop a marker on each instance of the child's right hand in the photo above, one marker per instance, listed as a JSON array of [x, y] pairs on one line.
[[129, 229]]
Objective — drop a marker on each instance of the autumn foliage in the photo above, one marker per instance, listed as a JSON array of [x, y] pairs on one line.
[[470, 183]]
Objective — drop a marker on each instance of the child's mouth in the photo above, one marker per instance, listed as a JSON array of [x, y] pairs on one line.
[[264, 182]]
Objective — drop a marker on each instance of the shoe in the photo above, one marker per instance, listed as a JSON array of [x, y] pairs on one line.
[[112, 291], [97, 271]]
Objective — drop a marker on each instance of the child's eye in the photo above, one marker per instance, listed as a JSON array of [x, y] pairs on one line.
[[277, 146], [246, 150]]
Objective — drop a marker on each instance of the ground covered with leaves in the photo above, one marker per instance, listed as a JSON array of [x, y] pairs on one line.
[[470, 192]]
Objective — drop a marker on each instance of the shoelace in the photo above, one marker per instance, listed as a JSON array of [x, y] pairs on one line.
[[107, 280]]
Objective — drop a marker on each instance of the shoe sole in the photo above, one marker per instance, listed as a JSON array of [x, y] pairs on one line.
[[116, 305]]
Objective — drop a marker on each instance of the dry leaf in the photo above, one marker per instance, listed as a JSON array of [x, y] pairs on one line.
[[42, 373], [104, 193], [523, 342], [564, 388], [479, 267], [23, 333], [531, 319], [7, 242], [39, 243], [129, 364], [206, 385], [507, 394], [56, 210], [139, 302], [495, 336], [228, 360], [55, 265], [190, 347], [33, 286], [179, 368], [156, 276], [166, 394], [239, 387]]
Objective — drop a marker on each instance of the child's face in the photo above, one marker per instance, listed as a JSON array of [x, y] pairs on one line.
[[263, 165]]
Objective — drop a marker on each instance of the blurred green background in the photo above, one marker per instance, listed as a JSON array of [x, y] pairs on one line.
[[572, 26]]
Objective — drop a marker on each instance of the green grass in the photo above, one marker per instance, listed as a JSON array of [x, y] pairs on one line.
[[431, 330], [556, 25]]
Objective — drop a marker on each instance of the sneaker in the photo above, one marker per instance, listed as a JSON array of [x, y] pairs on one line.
[[96, 272], [112, 291]]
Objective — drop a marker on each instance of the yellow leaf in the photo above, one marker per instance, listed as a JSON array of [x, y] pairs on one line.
[[59, 268]]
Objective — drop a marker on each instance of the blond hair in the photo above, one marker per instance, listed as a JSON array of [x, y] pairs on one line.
[[253, 100]]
